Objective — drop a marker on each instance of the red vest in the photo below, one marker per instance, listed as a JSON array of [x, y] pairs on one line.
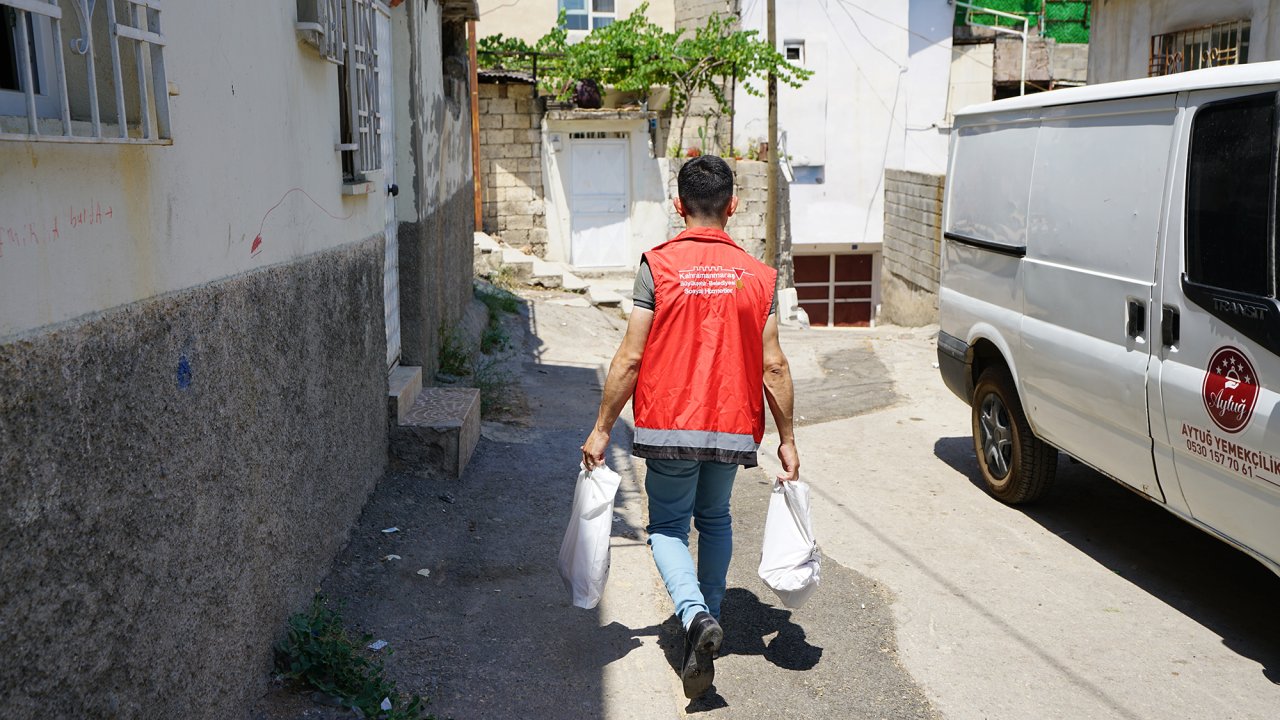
[[700, 393]]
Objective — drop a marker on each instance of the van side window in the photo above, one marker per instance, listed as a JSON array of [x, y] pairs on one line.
[[1229, 195]]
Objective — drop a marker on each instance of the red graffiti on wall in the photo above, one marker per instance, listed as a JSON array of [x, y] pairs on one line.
[[256, 247], [55, 228]]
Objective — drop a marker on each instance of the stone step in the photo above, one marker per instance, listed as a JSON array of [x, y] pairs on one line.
[[521, 265], [573, 283], [545, 274], [403, 385], [484, 243], [442, 428], [602, 297]]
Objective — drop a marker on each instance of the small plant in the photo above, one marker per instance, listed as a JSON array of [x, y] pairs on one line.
[[753, 151], [693, 152], [492, 380], [319, 653], [504, 278], [674, 151], [494, 338], [498, 301], [454, 358]]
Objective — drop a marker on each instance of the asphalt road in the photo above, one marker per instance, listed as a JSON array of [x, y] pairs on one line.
[[937, 601], [1095, 603]]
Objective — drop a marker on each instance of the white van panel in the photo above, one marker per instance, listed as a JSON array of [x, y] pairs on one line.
[[991, 165], [1095, 206], [1098, 187]]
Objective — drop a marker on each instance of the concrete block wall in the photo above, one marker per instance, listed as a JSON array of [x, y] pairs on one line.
[[912, 247], [1047, 60], [1069, 61], [511, 166]]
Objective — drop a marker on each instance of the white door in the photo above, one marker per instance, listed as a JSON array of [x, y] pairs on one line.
[[1087, 280], [1219, 339], [387, 128], [598, 202]]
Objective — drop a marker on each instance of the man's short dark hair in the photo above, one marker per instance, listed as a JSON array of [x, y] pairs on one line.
[[706, 185]]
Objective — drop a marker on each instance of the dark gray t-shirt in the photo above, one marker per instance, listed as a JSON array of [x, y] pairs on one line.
[[642, 291]]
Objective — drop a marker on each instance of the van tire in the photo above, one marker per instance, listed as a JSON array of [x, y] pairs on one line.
[[1016, 466]]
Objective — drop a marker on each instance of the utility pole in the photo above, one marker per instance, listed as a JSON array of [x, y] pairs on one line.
[[771, 203], [474, 84]]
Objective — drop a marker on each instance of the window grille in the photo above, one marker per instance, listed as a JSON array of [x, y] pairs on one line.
[[1211, 46], [598, 135], [52, 95], [361, 144], [320, 25]]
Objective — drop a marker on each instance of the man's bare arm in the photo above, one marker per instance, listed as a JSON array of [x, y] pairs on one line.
[[780, 394], [619, 386]]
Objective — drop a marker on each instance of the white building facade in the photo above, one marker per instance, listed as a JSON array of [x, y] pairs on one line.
[[877, 100]]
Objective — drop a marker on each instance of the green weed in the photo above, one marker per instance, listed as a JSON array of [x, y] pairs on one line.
[[319, 653], [454, 358]]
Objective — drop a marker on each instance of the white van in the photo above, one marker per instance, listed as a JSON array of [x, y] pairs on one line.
[[1109, 289]]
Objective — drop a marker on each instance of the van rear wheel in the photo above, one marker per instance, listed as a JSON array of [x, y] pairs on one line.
[[1017, 467]]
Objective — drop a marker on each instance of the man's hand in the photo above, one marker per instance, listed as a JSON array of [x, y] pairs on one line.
[[593, 449], [790, 462]]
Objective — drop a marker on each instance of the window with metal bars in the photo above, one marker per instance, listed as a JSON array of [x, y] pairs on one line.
[[51, 84], [345, 32], [1210, 46], [358, 91]]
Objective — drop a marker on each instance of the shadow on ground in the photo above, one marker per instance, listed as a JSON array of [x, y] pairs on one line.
[[467, 592], [1202, 577]]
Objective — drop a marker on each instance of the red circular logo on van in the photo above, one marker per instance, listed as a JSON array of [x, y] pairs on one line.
[[1230, 389]]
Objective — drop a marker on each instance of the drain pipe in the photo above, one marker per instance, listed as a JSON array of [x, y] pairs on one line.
[[970, 8]]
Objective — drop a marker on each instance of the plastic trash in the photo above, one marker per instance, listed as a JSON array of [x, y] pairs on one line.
[[377, 645], [789, 560], [584, 553]]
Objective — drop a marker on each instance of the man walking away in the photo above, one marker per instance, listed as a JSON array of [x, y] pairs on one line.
[[705, 325]]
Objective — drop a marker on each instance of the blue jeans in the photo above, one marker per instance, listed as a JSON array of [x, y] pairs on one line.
[[679, 490]]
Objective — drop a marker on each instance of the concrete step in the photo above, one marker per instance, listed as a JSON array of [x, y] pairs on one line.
[[403, 385], [545, 274], [441, 428], [602, 297], [572, 282], [521, 264], [486, 244]]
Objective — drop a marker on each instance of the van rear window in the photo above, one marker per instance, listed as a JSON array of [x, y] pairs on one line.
[[1229, 195]]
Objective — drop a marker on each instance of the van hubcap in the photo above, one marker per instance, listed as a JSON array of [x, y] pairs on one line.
[[997, 438]]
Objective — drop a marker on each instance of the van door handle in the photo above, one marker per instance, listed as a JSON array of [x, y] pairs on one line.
[[1170, 322], [1137, 323]]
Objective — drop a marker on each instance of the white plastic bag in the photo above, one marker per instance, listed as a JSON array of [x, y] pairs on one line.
[[789, 560], [584, 554]]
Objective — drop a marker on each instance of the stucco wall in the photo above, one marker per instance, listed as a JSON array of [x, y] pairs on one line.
[[189, 425], [878, 98], [1120, 38], [180, 216], [647, 217], [178, 474], [437, 217], [511, 166], [912, 244], [531, 20]]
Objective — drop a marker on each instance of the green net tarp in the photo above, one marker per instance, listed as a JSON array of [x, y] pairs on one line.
[[1064, 20]]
